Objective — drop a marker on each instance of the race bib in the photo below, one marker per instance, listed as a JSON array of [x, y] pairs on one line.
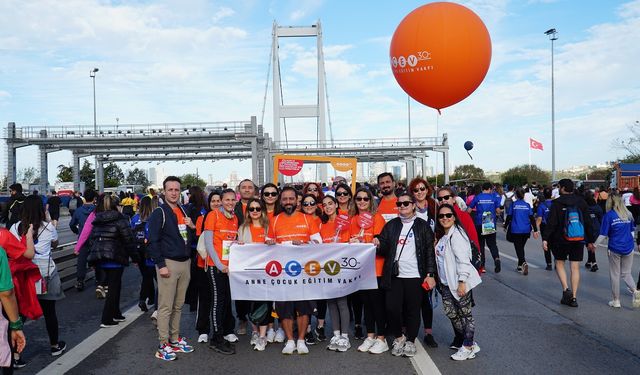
[[182, 228], [226, 248]]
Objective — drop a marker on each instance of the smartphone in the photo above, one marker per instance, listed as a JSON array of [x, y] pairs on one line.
[[425, 286]]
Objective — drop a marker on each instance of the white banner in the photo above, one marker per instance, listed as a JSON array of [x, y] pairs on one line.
[[259, 272]]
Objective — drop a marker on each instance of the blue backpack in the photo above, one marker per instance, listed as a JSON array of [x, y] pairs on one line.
[[573, 225]]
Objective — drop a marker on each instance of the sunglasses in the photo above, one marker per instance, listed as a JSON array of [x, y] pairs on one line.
[[403, 204], [447, 215], [308, 204], [444, 198], [360, 199], [254, 209], [270, 194], [419, 189], [342, 194]]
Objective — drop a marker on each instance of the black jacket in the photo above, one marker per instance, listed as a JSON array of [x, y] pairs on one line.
[[425, 253], [15, 209], [165, 241], [554, 231], [112, 239], [239, 213]]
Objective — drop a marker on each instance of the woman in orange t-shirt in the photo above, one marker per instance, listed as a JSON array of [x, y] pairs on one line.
[[310, 208], [271, 200], [253, 230], [344, 197], [366, 224]]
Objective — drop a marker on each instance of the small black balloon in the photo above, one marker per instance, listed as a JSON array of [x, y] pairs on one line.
[[468, 145]]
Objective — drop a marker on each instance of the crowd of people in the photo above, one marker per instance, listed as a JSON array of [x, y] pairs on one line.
[[427, 241]]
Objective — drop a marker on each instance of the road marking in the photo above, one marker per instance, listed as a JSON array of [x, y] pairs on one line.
[[89, 345], [422, 362], [503, 255]]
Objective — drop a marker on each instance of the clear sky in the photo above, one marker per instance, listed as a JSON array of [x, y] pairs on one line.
[[189, 60]]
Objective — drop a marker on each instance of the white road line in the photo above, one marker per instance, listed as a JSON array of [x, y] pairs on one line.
[[503, 255], [80, 352], [422, 362]]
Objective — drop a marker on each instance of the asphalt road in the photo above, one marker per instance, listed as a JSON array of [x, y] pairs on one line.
[[520, 327]]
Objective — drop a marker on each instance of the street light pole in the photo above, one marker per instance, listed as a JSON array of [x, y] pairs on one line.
[[92, 74], [553, 35]]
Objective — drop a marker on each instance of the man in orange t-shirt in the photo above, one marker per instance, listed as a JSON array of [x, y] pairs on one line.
[[387, 204], [220, 230], [293, 227]]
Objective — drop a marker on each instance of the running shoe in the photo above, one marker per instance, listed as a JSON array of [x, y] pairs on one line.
[[379, 347], [289, 348], [483, 270], [463, 354], [302, 347], [566, 297], [498, 266], [181, 346], [254, 338], [203, 338], [222, 346], [635, 302], [366, 345], [310, 339], [398, 346], [430, 341], [320, 334], [271, 335], [120, 318], [261, 344], [165, 353], [343, 344], [615, 303], [409, 349], [333, 344], [594, 268], [80, 285], [549, 267], [58, 349], [525, 269], [19, 363], [231, 337], [519, 269], [109, 324], [573, 302], [588, 265], [143, 306], [279, 335], [101, 293]]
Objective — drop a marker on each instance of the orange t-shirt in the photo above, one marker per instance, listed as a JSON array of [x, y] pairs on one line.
[[315, 219], [343, 212], [179, 214], [368, 234], [271, 215], [387, 208], [257, 234], [291, 228], [223, 230], [328, 232]]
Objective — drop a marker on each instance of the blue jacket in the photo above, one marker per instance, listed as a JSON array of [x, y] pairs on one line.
[[619, 232], [485, 202], [80, 216], [520, 214], [543, 210], [165, 241]]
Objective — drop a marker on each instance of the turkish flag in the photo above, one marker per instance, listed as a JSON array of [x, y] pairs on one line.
[[535, 144]]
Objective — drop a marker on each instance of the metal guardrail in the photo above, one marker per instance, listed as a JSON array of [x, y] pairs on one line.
[[66, 262]]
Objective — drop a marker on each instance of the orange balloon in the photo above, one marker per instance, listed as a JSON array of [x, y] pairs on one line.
[[440, 53]]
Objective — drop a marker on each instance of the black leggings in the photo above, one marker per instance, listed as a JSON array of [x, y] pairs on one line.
[[50, 319], [519, 240], [111, 308], [547, 254], [147, 287], [356, 305], [375, 310], [322, 308], [404, 298]]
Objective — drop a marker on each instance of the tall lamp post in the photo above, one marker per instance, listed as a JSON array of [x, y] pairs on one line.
[[553, 35], [92, 74]]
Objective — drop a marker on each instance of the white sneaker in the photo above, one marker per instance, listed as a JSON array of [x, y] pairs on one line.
[[333, 344], [463, 354], [636, 299], [379, 347], [261, 344], [231, 337], [279, 335], [271, 335], [154, 317], [254, 338], [203, 338], [302, 347], [343, 344], [366, 345], [476, 348], [398, 346], [289, 348], [615, 303]]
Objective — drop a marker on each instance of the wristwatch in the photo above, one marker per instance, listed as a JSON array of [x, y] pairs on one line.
[[430, 274], [17, 325]]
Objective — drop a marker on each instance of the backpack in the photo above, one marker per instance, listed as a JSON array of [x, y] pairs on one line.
[[139, 233], [73, 203], [488, 226], [573, 224]]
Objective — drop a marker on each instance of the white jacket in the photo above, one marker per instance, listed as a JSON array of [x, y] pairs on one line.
[[457, 261]]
